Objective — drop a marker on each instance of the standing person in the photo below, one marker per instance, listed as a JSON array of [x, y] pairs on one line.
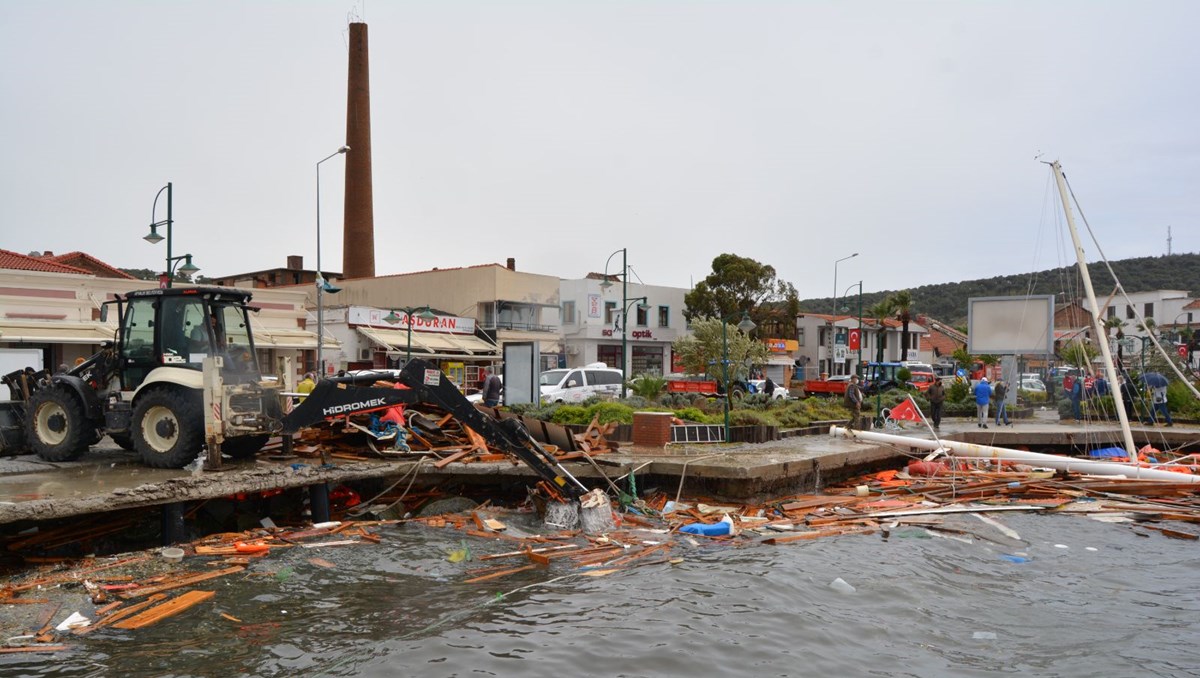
[[1158, 395], [1128, 395], [1076, 397], [1050, 391], [983, 396], [1000, 394], [769, 388], [306, 386], [854, 401], [937, 398], [491, 390]]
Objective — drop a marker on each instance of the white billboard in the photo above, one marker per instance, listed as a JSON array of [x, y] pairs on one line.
[[1010, 325]]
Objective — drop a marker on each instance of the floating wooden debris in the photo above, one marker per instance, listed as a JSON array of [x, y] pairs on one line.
[[167, 609]]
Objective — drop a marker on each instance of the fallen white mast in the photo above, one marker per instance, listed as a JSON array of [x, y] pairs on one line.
[[1097, 323], [990, 453]]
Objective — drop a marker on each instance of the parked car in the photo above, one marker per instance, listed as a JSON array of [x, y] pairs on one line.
[[780, 393], [922, 380], [578, 384], [1032, 384]]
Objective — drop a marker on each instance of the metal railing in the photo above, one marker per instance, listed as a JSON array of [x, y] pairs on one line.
[[517, 326], [698, 433]]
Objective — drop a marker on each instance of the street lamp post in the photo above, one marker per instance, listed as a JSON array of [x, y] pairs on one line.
[[425, 314], [746, 326], [323, 286], [858, 366], [154, 238], [833, 318], [624, 305]]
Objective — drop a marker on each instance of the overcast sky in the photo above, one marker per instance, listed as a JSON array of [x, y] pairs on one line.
[[794, 133]]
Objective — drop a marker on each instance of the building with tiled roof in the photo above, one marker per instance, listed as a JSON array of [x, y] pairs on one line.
[[940, 339], [87, 262], [23, 262]]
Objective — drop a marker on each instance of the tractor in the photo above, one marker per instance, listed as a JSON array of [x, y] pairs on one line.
[[182, 373]]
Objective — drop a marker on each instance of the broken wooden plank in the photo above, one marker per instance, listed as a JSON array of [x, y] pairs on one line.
[[168, 609], [34, 648], [443, 463], [816, 534], [498, 574], [121, 614], [185, 581]]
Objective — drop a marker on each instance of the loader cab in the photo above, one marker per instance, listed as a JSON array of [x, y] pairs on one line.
[[181, 327]]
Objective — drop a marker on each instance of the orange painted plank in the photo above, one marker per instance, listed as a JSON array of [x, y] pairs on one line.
[[168, 609]]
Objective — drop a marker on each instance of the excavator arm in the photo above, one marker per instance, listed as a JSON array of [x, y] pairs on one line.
[[340, 396]]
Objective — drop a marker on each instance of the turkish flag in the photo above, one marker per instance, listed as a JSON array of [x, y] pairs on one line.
[[906, 410], [855, 340], [1182, 350]]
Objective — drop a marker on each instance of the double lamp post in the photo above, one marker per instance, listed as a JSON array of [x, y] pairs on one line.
[[625, 303], [154, 238], [833, 316]]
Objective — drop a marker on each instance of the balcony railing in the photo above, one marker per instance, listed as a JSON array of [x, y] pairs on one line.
[[518, 326]]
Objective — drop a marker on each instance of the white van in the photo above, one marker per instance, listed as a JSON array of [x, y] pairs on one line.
[[577, 384]]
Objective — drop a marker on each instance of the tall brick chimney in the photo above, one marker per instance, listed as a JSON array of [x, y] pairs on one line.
[[358, 239]]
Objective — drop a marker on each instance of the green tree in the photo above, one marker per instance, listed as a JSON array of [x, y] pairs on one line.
[[701, 352], [1078, 353], [880, 312], [739, 284]]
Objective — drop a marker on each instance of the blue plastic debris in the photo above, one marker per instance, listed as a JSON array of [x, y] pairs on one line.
[[1014, 559]]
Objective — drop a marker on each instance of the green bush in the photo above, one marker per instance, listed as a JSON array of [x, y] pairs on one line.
[[648, 386], [958, 392], [571, 414], [751, 418], [903, 374], [607, 412], [694, 414]]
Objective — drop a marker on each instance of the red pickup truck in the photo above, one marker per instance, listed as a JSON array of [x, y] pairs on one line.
[[833, 386]]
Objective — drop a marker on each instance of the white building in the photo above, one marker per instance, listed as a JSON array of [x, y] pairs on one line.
[[592, 324], [1164, 307], [813, 352]]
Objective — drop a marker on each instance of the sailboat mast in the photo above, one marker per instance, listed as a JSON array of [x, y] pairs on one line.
[[1097, 325]]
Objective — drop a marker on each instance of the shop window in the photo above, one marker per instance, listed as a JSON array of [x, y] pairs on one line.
[[664, 316], [568, 312], [646, 360], [609, 355]]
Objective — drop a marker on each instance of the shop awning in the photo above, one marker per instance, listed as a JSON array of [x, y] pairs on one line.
[[432, 344], [52, 332], [274, 337]]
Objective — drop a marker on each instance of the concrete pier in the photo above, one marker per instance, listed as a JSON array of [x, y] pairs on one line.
[[109, 479]]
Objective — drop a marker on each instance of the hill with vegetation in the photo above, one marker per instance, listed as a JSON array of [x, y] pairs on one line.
[[948, 301]]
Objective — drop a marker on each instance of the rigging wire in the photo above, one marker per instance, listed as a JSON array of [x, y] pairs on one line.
[[1141, 321]]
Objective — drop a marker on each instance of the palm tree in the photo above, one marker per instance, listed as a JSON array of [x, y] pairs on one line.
[[902, 306], [880, 312], [1111, 322]]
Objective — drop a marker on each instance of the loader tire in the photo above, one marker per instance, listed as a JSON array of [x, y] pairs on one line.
[[55, 425], [168, 427], [244, 447]]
